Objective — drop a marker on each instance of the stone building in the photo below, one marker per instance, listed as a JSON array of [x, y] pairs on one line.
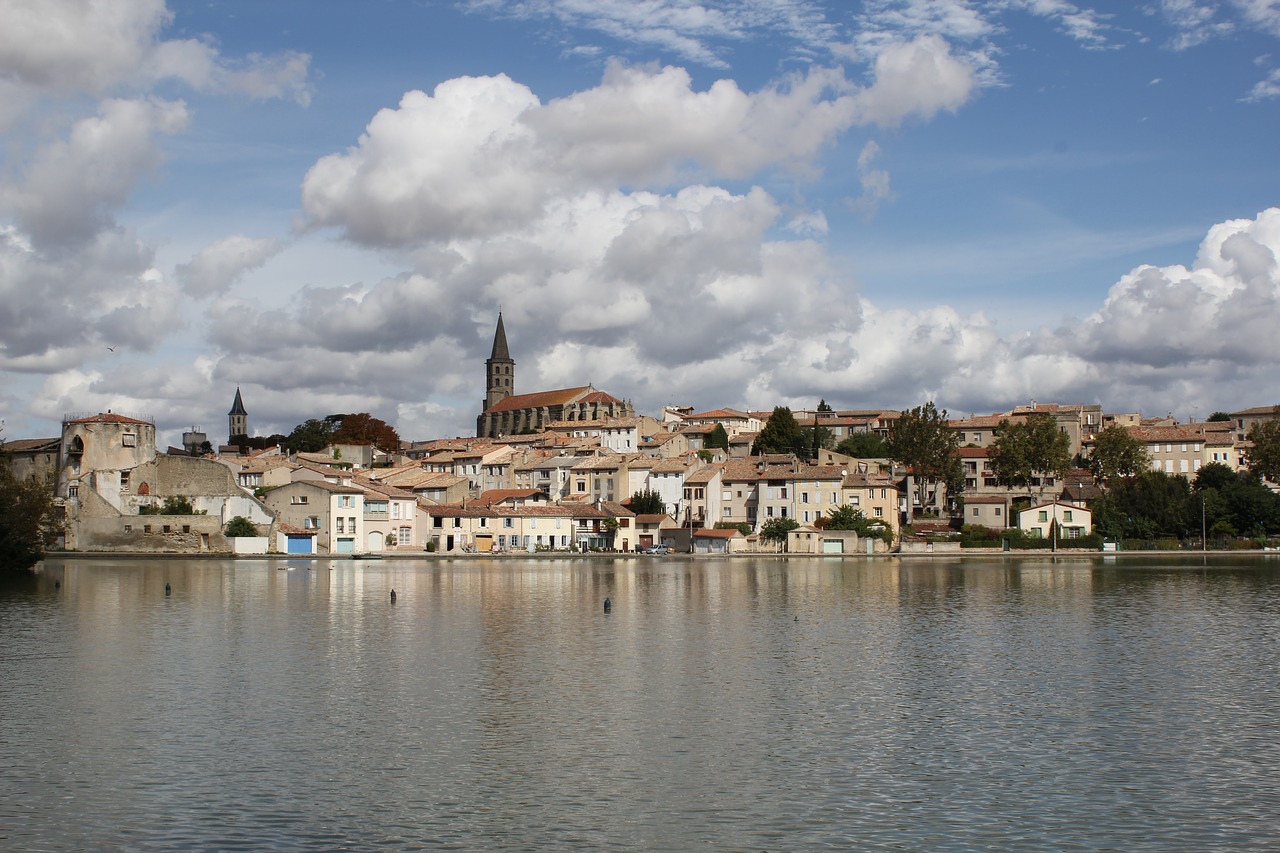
[[506, 413]]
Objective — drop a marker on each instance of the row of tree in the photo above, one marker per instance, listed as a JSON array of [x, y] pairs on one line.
[[315, 434]]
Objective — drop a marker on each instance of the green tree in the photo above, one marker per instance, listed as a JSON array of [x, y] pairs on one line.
[[1116, 453], [776, 529], [863, 445], [922, 441], [845, 517], [717, 438], [1216, 417], [364, 428], [29, 519], [1146, 506], [646, 502], [173, 505], [1034, 447], [780, 434], [240, 526], [1264, 458], [1234, 504], [310, 437]]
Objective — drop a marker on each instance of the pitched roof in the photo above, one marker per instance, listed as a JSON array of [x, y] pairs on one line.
[[727, 414], [110, 418], [537, 400], [27, 445]]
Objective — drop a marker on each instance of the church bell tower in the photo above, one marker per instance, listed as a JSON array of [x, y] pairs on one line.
[[237, 418], [499, 370]]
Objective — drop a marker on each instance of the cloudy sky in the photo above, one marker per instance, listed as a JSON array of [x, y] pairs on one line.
[[734, 203]]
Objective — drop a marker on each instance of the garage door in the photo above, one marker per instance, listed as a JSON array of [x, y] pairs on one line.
[[833, 546], [299, 545], [346, 546]]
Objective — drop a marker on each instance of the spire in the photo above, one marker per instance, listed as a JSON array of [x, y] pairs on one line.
[[500, 351], [237, 408]]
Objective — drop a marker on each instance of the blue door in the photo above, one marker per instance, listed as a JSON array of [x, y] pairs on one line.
[[299, 545]]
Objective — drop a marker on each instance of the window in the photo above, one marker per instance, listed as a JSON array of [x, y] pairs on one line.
[[508, 522], [728, 495], [129, 440], [405, 535], [728, 512], [351, 524], [124, 481], [146, 528], [998, 511], [879, 512], [311, 522], [533, 523], [622, 522], [128, 528], [855, 500], [1044, 515], [484, 522], [340, 524], [167, 529], [804, 497], [975, 512], [457, 522], [186, 528]]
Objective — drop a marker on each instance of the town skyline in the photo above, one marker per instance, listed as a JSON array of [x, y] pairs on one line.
[[728, 204]]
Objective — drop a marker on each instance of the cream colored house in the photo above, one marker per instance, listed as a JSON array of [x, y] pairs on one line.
[[1184, 449], [1073, 521]]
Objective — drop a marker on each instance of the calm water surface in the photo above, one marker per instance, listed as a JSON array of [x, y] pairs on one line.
[[801, 704]]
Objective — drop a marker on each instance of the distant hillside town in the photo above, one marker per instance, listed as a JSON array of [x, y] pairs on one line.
[[578, 470]]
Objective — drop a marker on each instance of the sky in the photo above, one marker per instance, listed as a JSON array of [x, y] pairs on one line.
[[744, 204]]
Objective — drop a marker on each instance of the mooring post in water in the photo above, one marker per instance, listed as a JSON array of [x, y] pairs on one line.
[[608, 605], [393, 596], [167, 589]]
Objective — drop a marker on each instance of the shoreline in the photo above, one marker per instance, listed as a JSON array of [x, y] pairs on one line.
[[427, 557]]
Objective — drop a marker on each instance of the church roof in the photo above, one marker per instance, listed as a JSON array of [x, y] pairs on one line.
[[500, 351], [237, 408], [539, 399]]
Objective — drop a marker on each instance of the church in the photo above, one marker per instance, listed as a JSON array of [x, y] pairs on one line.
[[504, 412]]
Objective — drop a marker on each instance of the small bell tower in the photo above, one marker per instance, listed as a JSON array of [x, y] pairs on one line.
[[237, 418]]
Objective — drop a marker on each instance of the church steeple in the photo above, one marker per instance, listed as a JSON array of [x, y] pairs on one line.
[[499, 370], [500, 350], [237, 418]]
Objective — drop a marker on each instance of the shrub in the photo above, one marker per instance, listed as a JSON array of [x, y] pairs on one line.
[[240, 526]]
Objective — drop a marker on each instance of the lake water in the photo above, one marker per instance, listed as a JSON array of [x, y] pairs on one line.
[[725, 705]]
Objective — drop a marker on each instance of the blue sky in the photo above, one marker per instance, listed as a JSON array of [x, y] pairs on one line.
[[742, 204]]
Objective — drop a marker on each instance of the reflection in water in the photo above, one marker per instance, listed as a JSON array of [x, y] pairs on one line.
[[1045, 703]]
